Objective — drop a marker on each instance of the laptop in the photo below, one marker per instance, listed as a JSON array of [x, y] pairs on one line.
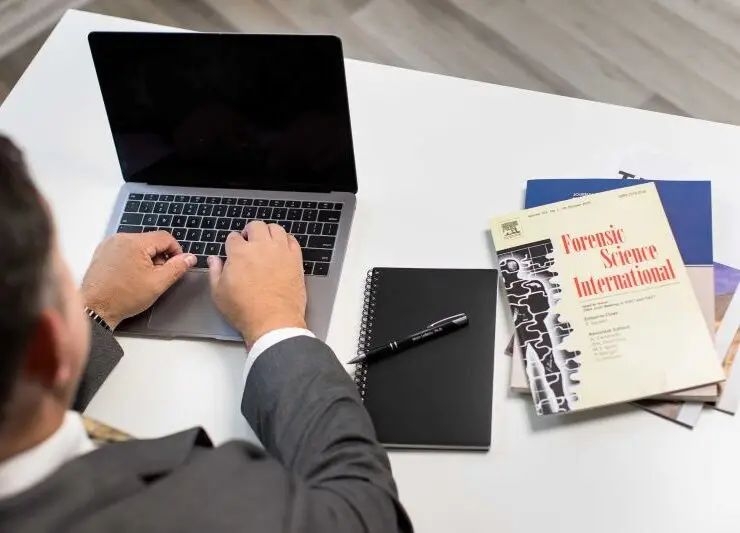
[[213, 131]]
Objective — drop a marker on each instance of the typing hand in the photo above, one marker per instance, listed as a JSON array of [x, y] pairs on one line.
[[130, 271], [261, 287]]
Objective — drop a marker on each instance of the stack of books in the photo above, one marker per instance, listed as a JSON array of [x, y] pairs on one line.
[[615, 297]]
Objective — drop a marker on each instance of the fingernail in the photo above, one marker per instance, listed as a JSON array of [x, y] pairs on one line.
[[191, 260], [210, 260]]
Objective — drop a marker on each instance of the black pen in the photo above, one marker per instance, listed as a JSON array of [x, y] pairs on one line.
[[432, 331]]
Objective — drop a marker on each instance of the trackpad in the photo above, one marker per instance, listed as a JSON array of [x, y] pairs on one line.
[[187, 310]]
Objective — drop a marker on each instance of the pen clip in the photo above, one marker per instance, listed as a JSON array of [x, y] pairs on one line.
[[446, 320]]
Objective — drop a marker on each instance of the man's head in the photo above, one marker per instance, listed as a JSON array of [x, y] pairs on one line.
[[44, 335]]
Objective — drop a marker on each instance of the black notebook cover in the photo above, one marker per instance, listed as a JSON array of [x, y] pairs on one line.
[[438, 394]]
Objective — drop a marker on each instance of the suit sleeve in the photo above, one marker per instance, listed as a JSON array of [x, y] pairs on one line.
[[105, 352], [306, 411]]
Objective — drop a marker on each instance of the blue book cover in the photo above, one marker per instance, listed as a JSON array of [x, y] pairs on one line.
[[687, 205]]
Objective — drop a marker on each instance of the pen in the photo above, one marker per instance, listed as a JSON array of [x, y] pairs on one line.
[[432, 331]]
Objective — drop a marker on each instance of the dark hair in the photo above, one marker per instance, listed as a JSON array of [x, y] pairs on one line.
[[26, 237]]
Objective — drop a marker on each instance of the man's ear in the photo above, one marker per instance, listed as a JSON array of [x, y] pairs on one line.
[[44, 363]]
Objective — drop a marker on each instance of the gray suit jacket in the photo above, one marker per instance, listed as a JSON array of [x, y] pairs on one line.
[[322, 469]]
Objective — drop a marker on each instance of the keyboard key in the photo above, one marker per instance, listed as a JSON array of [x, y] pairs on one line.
[[302, 240], [244, 201], [208, 223], [135, 196], [294, 214], [314, 228], [326, 205], [150, 220], [338, 207], [161, 207], [151, 197], [179, 221], [208, 235], [330, 229], [202, 261], [310, 214], [279, 213], [308, 205], [223, 223], [238, 224], [320, 269], [299, 228], [132, 206], [179, 233], [205, 210], [270, 221], [129, 229], [190, 209], [264, 212], [147, 229], [286, 224], [320, 241], [198, 199], [131, 218], [249, 212], [307, 267], [167, 198], [182, 198], [194, 222], [293, 203], [146, 207], [168, 230], [164, 220], [221, 236], [185, 247], [329, 216], [213, 248], [235, 211], [261, 203], [175, 208], [219, 210], [228, 201], [277, 203], [213, 200], [197, 247], [193, 235], [313, 254]]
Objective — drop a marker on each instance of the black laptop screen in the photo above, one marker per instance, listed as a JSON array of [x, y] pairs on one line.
[[228, 110]]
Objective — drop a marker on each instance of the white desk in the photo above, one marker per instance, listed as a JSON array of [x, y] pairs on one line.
[[436, 157]]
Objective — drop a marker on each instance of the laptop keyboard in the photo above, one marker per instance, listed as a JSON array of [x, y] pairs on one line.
[[201, 223]]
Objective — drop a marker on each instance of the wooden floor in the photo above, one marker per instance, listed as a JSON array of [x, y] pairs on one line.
[[673, 56]]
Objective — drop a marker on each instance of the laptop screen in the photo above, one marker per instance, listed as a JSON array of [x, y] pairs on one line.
[[228, 110]]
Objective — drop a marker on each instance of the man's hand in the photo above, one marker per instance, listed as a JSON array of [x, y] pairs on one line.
[[130, 271], [261, 286]]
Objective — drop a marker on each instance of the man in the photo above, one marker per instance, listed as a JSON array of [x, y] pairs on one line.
[[322, 469]]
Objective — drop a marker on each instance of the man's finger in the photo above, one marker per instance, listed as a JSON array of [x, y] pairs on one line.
[[234, 240], [257, 231], [174, 268], [277, 232], [161, 243], [215, 266], [293, 243]]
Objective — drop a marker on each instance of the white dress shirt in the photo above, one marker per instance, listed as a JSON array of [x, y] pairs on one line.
[[32, 466]]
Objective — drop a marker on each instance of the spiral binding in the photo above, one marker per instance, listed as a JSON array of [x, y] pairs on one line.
[[366, 330]]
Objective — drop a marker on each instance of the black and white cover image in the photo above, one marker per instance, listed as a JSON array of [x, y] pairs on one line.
[[532, 289]]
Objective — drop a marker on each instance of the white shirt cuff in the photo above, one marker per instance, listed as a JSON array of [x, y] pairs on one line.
[[270, 339]]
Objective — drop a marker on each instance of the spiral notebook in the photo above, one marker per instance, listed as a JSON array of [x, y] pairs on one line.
[[438, 394]]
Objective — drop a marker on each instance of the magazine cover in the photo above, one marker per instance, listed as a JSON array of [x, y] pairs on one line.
[[688, 207], [580, 277], [727, 302]]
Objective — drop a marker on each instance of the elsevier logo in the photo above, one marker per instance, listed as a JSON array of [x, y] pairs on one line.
[[511, 229]]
